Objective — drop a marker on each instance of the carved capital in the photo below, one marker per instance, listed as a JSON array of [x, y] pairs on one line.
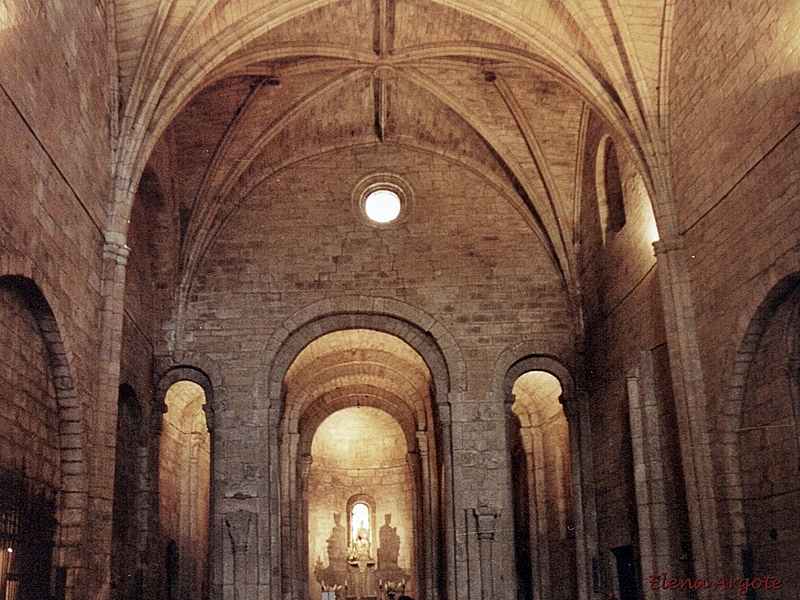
[[670, 244], [238, 523], [485, 517]]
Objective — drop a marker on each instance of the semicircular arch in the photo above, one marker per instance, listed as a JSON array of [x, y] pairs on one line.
[[418, 329]]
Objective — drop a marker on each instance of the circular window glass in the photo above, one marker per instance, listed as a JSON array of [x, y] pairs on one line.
[[382, 206], [382, 200]]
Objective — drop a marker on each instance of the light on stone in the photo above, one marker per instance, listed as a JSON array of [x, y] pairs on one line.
[[382, 206]]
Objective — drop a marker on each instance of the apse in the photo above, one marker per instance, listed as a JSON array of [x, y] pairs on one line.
[[358, 429], [360, 496]]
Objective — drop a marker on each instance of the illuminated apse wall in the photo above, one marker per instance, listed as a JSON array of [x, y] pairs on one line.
[[359, 460], [184, 476]]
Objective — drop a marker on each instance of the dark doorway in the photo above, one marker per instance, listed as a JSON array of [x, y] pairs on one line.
[[27, 528], [626, 573]]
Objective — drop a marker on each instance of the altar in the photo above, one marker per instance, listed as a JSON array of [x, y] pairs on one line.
[[355, 572]]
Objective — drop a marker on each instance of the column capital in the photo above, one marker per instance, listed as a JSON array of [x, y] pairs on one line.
[[669, 244], [238, 523], [485, 517]]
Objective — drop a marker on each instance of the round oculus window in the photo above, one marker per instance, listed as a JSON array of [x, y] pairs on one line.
[[382, 200], [382, 206]]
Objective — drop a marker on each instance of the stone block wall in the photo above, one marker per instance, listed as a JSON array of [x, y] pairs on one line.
[[29, 424], [733, 96], [497, 288], [56, 78]]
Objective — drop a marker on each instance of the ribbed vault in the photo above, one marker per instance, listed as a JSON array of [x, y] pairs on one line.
[[357, 367], [241, 90]]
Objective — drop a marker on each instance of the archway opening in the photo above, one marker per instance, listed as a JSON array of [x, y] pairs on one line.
[[184, 492], [769, 441], [358, 426], [542, 484], [30, 445], [360, 472]]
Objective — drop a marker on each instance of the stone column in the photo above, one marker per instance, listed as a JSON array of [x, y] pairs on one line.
[[102, 421], [239, 531], [485, 517], [446, 419], [690, 404], [576, 411], [300, 517], [649, 477], [424, 531]]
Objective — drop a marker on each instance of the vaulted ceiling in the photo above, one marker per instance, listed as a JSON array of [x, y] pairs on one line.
[[358, 368], [244, 88]]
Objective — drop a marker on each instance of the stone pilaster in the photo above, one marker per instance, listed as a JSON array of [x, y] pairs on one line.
[[238, 524], [690, 404], [485, 517]]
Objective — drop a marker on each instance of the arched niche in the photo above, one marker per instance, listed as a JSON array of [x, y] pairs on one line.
[[330, 367], [43, 492], [761, 440], [184, 484]]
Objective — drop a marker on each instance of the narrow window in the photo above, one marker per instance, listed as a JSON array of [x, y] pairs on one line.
[[610, 198]]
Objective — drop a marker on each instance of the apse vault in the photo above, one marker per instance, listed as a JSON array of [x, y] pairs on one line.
[[358, 446]]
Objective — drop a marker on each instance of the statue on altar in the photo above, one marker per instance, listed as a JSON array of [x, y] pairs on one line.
[[389, 548], [360, 549], [334, 575], [388, 570], [337, 542]]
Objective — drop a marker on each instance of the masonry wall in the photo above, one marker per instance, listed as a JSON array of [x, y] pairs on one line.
[[55, 80], [737, 193], [298, 239], [29, 442], [733, 96]]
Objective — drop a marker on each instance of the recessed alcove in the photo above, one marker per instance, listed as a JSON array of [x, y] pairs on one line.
[[542, 481], [359, 428]]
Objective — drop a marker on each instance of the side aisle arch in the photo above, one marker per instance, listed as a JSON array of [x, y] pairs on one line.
[[71, 482], [547, 425]]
